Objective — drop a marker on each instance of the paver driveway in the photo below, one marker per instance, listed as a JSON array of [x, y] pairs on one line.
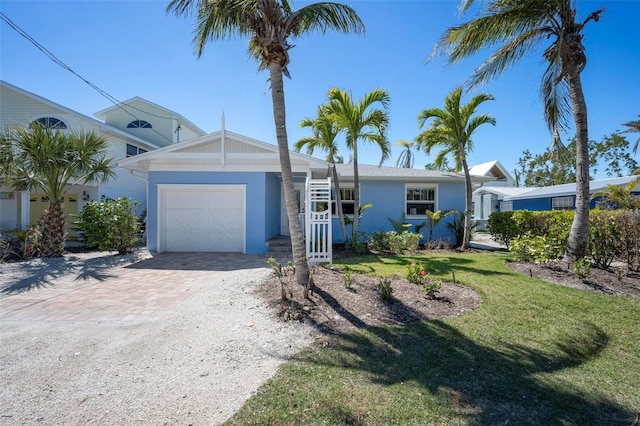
[[96, 291]]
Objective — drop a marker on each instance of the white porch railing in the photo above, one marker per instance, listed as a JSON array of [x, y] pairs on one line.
[[318, 221]]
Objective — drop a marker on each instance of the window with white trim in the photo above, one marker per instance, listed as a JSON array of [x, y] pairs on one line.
[[51, 123], [419, 199], [134, 150], [348, 201], [562, 203], [139, 124], [506, 206]]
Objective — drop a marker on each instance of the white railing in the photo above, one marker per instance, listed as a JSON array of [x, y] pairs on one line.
[[318, 221]]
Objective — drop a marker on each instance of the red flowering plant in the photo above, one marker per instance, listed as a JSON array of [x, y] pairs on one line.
[[416, 273]]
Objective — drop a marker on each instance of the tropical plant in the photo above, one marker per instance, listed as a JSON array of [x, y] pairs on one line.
[[451, 130], [620, 196], [110, 224], [361, 121], [518, 27], [400, 224], [52, 161], [405, 159], [324, 132], [434, 218], [270, 25], [633, 127]]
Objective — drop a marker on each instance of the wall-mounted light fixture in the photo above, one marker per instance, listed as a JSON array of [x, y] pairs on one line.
[[85, 196]]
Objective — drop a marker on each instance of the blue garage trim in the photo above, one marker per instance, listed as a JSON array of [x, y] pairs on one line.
[[258, 185]]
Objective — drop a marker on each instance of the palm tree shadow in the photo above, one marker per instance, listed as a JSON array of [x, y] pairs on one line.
[[486, 385]]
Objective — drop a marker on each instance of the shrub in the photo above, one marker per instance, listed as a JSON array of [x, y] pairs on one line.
[[605, 237], [582, 268], [432, 287], [629, 225], [346, 278], [502, 227], [539, 249], [416, 273], [110, 224], [457, 227], [384, 286], [394, 242]]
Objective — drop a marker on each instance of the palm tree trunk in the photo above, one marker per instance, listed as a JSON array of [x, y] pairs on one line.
[[579, 234], [53, 234], [356, 196], [336, 183], [279, 118], [468, 198]]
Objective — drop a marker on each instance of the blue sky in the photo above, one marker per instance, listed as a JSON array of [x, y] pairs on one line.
[[133, 48]]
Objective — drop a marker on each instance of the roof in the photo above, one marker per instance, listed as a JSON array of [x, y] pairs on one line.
[[492, 168], [102, 114], [371, 172], [570, 188], [192, 151], [504, 191], [99, 124]]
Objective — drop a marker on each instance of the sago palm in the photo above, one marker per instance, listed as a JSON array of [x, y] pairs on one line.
[[51, 162], [270, 25], [519, 28], [362, 122], [324, 132], [451, 130]]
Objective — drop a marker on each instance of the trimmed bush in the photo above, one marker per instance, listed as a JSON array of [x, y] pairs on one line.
[[502, 227], [394, 242], [110, 224]]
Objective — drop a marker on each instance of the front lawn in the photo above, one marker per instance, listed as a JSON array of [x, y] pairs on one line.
[[533, 353]]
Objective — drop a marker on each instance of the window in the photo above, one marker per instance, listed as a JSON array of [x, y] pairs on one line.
[[51, 123], [139, 124], [562, 203], [348, 201], [134, 150], [506, 206], [419, 199]]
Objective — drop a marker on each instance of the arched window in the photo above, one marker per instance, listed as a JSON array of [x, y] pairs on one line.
[[51, 123], [139, 124]]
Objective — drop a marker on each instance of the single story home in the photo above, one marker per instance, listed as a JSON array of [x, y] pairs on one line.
[[223, 192], [560, 197]]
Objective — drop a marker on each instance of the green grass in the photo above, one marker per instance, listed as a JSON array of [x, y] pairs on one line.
[[533, 353]]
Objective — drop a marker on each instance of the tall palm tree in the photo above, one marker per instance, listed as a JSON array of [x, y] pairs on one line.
[[451, 130], [405, 159], [361, 121], [633, 127], [51, 161], [324, 136], [519, 27], [269, 25]]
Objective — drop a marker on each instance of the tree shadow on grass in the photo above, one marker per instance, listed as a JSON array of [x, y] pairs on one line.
[[486, 385]]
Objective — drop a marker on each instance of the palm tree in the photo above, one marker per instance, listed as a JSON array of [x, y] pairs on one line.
[[51, 161], [361, 121], [633, 127], [324, 137], [519, 27], [451, 129], [405, 159], [269, 25], [620, 196], [434, 218]]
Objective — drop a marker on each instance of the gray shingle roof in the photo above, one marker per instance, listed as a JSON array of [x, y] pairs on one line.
[[570, 188]]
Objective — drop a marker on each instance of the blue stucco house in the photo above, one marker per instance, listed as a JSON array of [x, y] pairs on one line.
[[223, 192], [560, 197]]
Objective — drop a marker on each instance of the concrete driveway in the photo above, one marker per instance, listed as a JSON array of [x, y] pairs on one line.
[[169, 339]]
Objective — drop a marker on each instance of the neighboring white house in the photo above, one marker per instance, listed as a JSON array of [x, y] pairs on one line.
[[18, 108], [486, 198]]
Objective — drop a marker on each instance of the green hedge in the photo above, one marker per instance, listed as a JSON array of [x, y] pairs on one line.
[[614, 235]]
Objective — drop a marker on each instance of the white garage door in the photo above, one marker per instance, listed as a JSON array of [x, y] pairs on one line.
[[202, 218]]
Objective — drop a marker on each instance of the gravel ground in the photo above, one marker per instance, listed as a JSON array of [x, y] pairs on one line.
[[194, 365]]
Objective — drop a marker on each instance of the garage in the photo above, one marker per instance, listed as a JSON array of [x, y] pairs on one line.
[[201, 218]]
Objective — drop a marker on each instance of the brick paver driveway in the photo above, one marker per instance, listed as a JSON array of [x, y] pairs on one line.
[[94, 291]]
